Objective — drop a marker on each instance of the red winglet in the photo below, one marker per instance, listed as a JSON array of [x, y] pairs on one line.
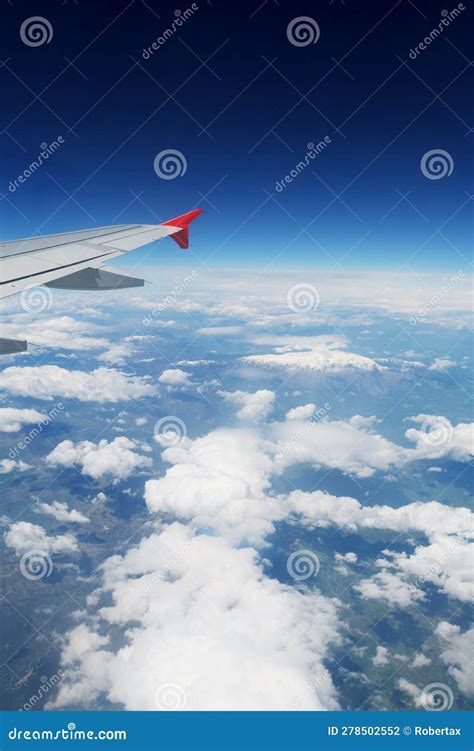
[[183, 222]]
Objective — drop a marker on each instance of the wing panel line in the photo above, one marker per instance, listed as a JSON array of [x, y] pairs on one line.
[[58, 268], [59, 245]]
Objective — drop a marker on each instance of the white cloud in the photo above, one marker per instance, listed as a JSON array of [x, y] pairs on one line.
[[196, 363], [321, 509], [194, 597], [101, 385], [222, 480], [313, 353], [180, 304], [23, 537], [381, 656], [221, 330], [446, 562], [174, 377], [442, 363], [346, 296], [81, 643], [254, 407], [342, 559], [99, 498], [61, 512], [164, 324], [458, 655], [389, 587], [112, 461], [411, 689], [338, 444], [62, 332], [117, 354], [353, 446], [218, 481], [439, 438], [157, 596], [420, 660], [362, 423], [9, 465], [301, 413], [12, 419], [346, 557]]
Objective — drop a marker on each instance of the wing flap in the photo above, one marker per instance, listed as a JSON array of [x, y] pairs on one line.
[[147, 234], [95, 279]]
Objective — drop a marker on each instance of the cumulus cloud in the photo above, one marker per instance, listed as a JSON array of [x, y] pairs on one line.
[[304, 412], [381, 656], [157, 595], [23, 537], [82, 642], [355, 447], [117, 354], [61, 512], [389, 587], [60, 332], [100, 385], [10, 465], [218, 481], [103, 461], [351, 447], [311, 353], [420, 660], [12, 419], [439, 438], [346, 557], [174, 377], [446, 562], [254, 407], [320, 509], [410, 689], [222, 481], [194, 597], [458, 655]]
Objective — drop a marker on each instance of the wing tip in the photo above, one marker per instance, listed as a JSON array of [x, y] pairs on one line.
[[181, 237]]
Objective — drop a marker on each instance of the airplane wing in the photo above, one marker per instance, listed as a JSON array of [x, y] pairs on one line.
[[77, 260]]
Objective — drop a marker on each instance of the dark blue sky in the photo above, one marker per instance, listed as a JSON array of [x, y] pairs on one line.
[[240, 102]]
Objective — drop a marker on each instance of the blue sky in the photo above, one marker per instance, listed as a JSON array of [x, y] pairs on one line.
[[230, 92]]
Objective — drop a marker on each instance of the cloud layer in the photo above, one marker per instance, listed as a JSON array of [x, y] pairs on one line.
[[48, 381]]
